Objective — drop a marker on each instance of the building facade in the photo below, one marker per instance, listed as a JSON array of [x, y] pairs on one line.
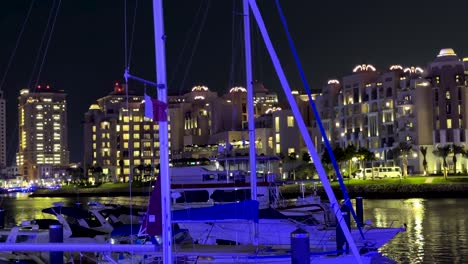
[[42, 132], [120, 143]]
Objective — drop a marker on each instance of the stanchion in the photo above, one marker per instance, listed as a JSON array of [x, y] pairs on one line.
[[56, 236], [2, 218], [300, 247], [359, 212]]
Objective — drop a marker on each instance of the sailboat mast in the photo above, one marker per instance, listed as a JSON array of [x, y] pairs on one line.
[[250, 95], [304, 131], [161, 80], [250, 109]]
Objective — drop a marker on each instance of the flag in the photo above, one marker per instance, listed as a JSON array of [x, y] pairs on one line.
[[159, 110], [155, 109], [148, 107]]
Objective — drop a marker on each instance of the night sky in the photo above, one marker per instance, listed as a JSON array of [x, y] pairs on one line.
[[86, 53]]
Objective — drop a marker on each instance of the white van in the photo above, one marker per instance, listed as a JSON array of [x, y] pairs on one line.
[[378, 172], [365, 173], [389, 172]]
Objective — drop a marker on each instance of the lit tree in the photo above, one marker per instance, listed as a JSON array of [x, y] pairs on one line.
[[364, 154], [424, 153], [443, 152], [350, 153], [402, 151], [456, 149]]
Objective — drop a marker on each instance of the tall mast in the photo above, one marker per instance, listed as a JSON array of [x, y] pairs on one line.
[[304, 131], [159, 42], [250, 109]]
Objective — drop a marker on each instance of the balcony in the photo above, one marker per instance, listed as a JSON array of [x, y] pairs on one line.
[[404, 102]]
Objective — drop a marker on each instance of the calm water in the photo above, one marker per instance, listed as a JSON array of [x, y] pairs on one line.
[[436, 230]]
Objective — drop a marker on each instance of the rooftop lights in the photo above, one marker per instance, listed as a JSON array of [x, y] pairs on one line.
[[413, 69], [333, 81], [364, 67], [199, 88], [237, 89]]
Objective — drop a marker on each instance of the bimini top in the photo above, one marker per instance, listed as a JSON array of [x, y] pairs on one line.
[[244, 210]]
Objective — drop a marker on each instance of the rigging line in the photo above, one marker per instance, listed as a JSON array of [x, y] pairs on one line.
[[317, 116], [259, 54], [10, 60], [186, 41], [231, 73], [130, 51], [48, 42], [49, 19], [36, 61], [237, 36], [125, 35], [197, 39]]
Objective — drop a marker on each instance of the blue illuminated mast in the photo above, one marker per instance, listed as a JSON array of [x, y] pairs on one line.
[[304, 131], [161, 80]]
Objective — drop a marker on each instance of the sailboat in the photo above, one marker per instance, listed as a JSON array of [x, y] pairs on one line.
[[246, 211], [158, 221]]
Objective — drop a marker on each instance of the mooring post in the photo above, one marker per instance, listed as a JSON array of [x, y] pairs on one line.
[[300, 247], [359, 212], [56, 236], [2, 218]]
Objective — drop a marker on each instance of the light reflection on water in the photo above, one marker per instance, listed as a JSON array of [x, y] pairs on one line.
[[436, 231]]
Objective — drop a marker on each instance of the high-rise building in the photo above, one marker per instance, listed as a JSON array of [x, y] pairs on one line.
[[42, 128], [120, 143], [2, 132], [447, 75]]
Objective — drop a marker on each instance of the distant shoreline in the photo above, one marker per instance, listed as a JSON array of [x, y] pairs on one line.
[[375, 191]]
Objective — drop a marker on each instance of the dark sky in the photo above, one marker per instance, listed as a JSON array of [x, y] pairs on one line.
[[86, 51]]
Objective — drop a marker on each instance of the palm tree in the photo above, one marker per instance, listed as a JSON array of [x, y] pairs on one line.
[[424, 153], [443, 152], [350, 153], [456, 149], [339, 155], [364, 154], [402, 151]]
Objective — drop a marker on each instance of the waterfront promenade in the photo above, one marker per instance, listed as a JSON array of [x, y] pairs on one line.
[[412, 187]]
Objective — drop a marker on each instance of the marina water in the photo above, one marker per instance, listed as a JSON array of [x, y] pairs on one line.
[[436, 228]]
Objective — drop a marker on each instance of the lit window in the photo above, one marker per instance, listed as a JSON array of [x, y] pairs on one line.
[[277, 123], [277, 137], [126, 136], [136, 144], [290, 121], [136, 127], [136, 136], [278, 148], [125, 127], [449, 123]]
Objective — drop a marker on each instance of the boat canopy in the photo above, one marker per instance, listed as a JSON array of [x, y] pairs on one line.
[[244, 210]]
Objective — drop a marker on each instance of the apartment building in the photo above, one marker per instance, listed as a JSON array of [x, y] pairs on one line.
[[42, 131], [118, 138], [447, 76]]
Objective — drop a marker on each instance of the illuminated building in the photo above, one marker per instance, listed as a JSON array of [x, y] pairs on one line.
[[447, 76], [264, 100], [118, 140], [42, 127]]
